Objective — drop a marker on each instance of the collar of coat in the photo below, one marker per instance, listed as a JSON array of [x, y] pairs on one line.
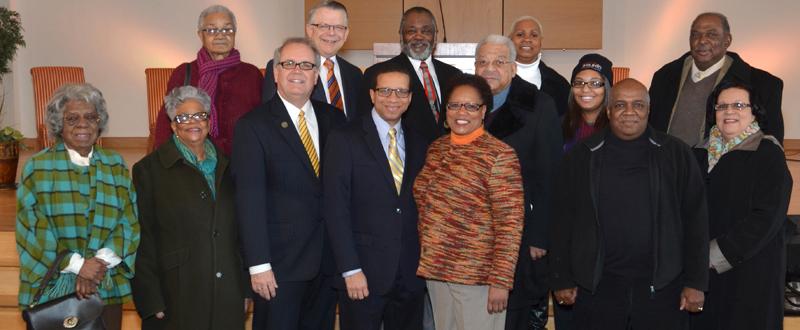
[[596, 141]]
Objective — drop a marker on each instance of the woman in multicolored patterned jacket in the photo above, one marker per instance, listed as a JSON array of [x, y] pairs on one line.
[[77, 198]]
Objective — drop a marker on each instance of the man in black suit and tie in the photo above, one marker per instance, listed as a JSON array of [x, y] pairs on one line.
[[339, 81], [370, 212], [524, 118], [276, 168], [429, 77]]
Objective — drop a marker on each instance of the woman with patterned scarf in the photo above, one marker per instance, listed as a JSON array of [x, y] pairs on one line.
[[234, 86], [748, 186], [76, 199], [189, 272]]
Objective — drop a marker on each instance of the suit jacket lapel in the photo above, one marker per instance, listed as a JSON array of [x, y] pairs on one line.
[[289, 132], [376, 147], [505, 122], [415, 154], [347, 90]]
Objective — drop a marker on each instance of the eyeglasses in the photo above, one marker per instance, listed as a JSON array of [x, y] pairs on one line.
[[592, 83], [328, 27], [471, 107], [290, 65], [74, 119], [190, 117], [386, 92], [216, 31], [735, 106], [484, 63]]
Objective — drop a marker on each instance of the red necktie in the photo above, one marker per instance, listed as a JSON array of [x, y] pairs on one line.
[[430, 89], [334, 93]]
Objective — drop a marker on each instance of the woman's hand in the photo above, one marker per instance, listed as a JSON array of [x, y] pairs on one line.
[[566, 297], [498, 300], [93, 269]]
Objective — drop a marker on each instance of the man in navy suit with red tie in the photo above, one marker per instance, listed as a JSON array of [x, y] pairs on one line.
[[370, 213]]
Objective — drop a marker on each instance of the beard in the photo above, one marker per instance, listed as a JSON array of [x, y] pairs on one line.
[[423, 55]]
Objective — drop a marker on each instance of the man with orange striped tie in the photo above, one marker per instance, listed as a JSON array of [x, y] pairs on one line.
[[276, 167], [339, 82]]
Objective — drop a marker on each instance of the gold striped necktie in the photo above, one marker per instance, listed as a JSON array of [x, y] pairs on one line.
[[395, 163], [307, 142]]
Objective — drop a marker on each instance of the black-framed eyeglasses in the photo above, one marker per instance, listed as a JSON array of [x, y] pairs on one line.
[[328, 27], [386, 92], [735, 106], [73, 119], [498, 62], [216, 31], [590, 83], [290, 65], [190, 117], [471, 107]]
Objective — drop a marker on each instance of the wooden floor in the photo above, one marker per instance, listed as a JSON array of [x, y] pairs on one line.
[[9, 272]]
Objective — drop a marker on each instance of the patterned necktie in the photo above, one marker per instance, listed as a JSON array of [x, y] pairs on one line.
[[334, 93], [395, 163], [305, 137], [430, 89]]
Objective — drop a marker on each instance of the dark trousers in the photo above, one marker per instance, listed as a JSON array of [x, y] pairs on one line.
[[621, 304], [298, 305], [563, 317], [533, 316], [398, 309]]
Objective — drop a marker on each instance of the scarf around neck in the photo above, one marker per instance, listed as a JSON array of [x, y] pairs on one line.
[[209, 75], [717, 146]]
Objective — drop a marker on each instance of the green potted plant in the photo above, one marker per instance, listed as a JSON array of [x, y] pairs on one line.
[[10, 138]]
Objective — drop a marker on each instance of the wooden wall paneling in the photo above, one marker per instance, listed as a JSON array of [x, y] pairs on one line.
[[567, 24], [465, 21], [370, 21]]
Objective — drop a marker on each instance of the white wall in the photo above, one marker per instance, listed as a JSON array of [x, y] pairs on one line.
[[116, 40]]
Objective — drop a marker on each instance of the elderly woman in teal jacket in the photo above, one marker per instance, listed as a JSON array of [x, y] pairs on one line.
[[76, 199]]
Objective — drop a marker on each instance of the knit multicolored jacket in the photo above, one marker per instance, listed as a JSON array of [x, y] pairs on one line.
[[471, 212], [65, 207]]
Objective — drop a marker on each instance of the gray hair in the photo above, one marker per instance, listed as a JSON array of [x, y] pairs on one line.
[[496, 39], [276, 57], [418, 10], [726, 27], [329, 4], [180, 95], [54, 117], [213, 10], [526, 18]]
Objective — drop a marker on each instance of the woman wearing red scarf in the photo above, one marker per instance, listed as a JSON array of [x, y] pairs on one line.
[[234, 86]]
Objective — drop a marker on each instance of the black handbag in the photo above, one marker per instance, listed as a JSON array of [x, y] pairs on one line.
[[67, 312]]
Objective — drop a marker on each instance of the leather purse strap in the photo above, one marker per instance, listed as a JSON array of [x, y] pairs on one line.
[[47, 277], [188, 78]]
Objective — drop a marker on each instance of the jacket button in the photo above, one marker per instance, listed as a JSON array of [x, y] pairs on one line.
[[216, 233], [203, 195], [398, 211], [219, 274]]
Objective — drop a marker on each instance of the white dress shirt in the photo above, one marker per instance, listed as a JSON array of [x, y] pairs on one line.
[[323, 75], [698, 74], [313, 130]]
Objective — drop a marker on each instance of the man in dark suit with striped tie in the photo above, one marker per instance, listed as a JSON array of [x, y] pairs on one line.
[[276, 167], [370, 214], [340, 82], [429, 76]]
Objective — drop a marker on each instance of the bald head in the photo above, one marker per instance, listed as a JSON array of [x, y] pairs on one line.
[[628, 109]]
